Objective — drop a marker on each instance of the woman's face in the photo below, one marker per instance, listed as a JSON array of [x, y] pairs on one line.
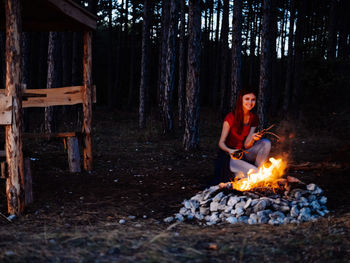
[[249, 101]]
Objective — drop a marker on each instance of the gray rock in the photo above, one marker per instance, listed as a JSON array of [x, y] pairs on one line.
[[232, 220], [122, 221], [311, 187], [276, 207], [233, 200], [312, 198], [240, 204], [206, 202], [228, 209], [287, 220], [261, 205], [204, 210], [315, 205], [285, 208], [304, 199], [263, 219], [179, 217], [294, 212], [276, 215], [218, 197], [214, 206], [210, 191], [321, 213], [297, 195], [194, 204], [187, 204], [199, 216], [214, 218], [305, 214], [254, 202], [197, 197], [253, 219], [243, 219], [239, 212], [190, 216], [247, 204], [183, 211], [318, 191], [264, 213], [323, 200], [274, 222]]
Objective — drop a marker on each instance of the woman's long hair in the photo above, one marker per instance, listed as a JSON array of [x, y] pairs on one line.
[[238, 108]]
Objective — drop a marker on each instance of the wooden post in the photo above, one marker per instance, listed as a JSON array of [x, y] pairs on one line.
[[73, 154], [87, 105], [28, 182], [13, 133]]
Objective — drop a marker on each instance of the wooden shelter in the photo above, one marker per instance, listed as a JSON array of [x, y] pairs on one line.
[[39, 15]]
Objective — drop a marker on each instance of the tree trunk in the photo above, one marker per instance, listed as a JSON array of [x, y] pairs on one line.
[[182, 67], [290, 61], [51, 79], [217, 55], [132, 57], [144, 62], [265, 62], [236, 51], [332, 31], [25, 73], [2, 60], [163, 54], [170, 69], [87, 103], [252, 45], [15, 183], [298, 65], [224, 56], [110, 93], [191, 136]]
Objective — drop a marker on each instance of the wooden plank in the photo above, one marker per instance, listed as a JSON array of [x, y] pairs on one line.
[[54, 97], [75, 12], [13, 133], [87, 104], [5, 109], [28, 182]]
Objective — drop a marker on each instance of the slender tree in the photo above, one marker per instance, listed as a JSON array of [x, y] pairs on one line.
[[332, 31], [290, 60], [170, 69], [182, 69], [224, 55], [51, 78], [191, 136], [236, 51], [146, 27], [265, 63]]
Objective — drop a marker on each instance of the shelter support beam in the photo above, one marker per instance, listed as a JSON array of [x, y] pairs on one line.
[[87, 101], [13, 133]]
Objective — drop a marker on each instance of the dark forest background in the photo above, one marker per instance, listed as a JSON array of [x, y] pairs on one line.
[[297, 53]]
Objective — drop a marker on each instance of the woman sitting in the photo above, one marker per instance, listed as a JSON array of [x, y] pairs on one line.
[[239, 133]]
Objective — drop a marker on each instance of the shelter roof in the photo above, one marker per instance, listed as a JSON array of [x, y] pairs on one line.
[[52, 15]]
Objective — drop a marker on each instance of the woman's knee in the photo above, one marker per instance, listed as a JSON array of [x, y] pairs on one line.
[[266, 144]]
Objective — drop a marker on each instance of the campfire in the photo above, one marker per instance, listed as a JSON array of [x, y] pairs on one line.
[[266, 196]]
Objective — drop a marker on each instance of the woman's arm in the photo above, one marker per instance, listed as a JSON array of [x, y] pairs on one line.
[[224, 134], [251, 138]]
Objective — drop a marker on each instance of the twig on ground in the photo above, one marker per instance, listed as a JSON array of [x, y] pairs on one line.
[[3, 216]]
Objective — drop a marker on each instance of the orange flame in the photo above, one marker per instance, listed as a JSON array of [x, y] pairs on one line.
[[267, 176]]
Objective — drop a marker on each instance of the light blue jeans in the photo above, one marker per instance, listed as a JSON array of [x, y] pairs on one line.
[[254, 158]]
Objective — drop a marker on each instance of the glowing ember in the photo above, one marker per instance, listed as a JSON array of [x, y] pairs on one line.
[[267, 176]]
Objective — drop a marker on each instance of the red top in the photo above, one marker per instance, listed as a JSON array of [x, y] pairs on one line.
[[235, 140]]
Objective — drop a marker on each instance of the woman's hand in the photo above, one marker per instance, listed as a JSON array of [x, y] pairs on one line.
[[231, 151], [257, 136]]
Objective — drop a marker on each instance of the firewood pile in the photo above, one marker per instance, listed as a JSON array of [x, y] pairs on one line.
[[217, 205]]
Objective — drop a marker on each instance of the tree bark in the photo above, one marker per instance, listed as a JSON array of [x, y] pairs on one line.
[[87, 102], [144, 62], [163, 55], [290, 61], [265, 62], [298, 65], [236, 51], [217, 55], [13, 133], [2, 60], [191, 136], [332, 31], [51, 79], [170, 69], [182, 66], [110, 93], [224, 55]]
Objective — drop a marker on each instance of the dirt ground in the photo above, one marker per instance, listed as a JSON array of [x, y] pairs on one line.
[[142, 177]]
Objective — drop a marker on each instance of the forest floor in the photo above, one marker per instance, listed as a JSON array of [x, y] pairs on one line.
[[142, 177]]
